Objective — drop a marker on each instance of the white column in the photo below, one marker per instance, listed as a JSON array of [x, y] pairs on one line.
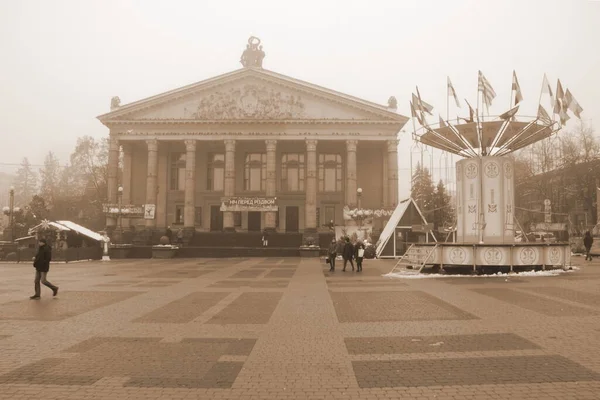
[[310, 219], [113, 169], [351, 173], [127, 162], [151, 178], [189, 211], [392, 148], [384, 183], [271, 187], [229, 186]]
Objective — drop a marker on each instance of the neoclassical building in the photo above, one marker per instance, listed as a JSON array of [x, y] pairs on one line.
[[251, 150]]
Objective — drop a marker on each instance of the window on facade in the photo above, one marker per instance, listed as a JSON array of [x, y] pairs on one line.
[[216, 172], [255, 172], [330, 173], [178, 214], [292, 172], [198, 216], [177, 171], [237, 219], [329, 214]]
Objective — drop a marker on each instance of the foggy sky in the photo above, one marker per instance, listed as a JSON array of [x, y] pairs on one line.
[[63, 60]]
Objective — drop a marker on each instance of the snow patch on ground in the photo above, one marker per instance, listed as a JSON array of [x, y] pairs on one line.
[[408, 274]]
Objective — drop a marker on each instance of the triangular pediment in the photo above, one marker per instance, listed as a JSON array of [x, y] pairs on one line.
[[252, 94]]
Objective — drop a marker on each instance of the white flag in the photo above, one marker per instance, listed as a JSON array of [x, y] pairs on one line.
[[547, 89], [422, 105], [486, 88], [560, 99], [452, 92], [572, 104], [543, 115], [517, 88], [510, 113]]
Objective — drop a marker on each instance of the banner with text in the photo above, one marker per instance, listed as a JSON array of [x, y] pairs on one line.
[[126, 210], [249, 204]]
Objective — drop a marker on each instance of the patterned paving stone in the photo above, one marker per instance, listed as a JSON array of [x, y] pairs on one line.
[[379, 306], [438, 344], [248, 308], [484, 281], [157, 284], [281, 273], [66, 304], [472, 371], [180, 273], [362, 283], [188, 364], [185, 309], [252, 284], [249, 273], [535, 303], [590, 299]]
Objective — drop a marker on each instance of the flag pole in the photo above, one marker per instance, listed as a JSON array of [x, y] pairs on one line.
[[447, 99], [512, 91], [542, 91]]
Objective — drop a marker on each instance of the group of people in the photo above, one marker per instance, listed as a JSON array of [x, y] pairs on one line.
[[179, 237], [348, 251]]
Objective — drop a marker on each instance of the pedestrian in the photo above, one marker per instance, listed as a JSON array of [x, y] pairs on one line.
[[588, 240], [348, 254], [169, 234], [359, 254], [332, 254], [180, 237], [41, 263], [265, 238]]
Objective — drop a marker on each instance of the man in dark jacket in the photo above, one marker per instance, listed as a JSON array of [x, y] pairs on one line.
[[588, 240], [332, 254], [347, 254], [41, 263]]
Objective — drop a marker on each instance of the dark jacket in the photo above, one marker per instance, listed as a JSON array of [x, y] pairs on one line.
[[587, 241], [358, 246], [333, 249], [348, 251], [43, 258], [339, 246]]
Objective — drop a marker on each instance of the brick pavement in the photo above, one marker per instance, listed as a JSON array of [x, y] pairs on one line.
[[289, 329]]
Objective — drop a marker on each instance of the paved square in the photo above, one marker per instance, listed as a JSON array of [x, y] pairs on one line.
[[261, 328], [393, 306]]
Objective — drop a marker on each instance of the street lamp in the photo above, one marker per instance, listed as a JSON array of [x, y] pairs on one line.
[[11, 211], [359, 193]]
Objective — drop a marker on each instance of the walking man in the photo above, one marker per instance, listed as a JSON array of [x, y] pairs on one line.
[[347, 254], [41, 263], [360, 253], [588, 240], [332, 254]]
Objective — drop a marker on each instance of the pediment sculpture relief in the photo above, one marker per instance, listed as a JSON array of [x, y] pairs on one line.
[[248, 102]]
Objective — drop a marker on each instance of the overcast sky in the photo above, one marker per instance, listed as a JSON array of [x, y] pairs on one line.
[[63, 60]]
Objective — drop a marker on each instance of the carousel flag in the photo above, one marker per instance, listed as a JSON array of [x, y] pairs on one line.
[[547, 89], [471, 111], [543, 115], [560, 99], [424, 107], [510, 113], [416, 114], [452, 92], [516, 87], [572, 104], [486, 88]]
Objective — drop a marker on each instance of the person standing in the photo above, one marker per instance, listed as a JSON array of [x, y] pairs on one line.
[[348, 254], [180, 237], [359, 254], [169, 234], [265, 238], [588, 240], [41, 263], [332, 254]]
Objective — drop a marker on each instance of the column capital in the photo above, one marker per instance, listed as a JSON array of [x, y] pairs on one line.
[[229, 144], [392, 146], [351, 145], [311, 145], [271, 144], [190, 145], [127, 147], [152, 144]]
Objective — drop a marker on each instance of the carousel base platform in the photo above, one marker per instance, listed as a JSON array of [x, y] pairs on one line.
[[486, 257]]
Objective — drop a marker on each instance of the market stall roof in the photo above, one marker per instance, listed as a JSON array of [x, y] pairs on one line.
[[82, 230], [51, 224]]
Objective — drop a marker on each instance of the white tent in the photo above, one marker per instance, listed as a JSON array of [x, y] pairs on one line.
[[68, 226], [390, 228]]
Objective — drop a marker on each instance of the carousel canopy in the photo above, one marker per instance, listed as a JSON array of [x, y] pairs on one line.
[[66, 226]]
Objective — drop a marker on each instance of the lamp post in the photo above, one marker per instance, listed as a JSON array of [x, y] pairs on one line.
[[120, 216], [11, 211], [358, 196]]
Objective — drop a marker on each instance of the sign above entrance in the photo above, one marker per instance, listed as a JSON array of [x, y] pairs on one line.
[[249, 204], [126, 210]]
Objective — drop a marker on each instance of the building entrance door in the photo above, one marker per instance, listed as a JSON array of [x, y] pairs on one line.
[[254, 221], [291, 219], [216, 219]]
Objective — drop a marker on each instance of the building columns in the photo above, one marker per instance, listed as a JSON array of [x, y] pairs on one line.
[[126, 184], [384, 183], [271, 184], [189, 210], [112, 179], [351, 173], [229, 186], [310, 218], [392, 150], [151, 178]]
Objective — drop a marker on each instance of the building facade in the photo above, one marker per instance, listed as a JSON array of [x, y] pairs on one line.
[[251, 133]]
